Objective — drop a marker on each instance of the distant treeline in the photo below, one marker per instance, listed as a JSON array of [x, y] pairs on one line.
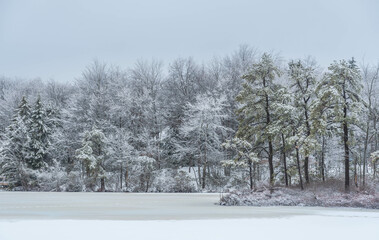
[[234, 122]]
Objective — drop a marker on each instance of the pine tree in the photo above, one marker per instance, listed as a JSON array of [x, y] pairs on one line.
[[286, 127], [15, 145], [255, 114], [303, 81], [38, 141], [339, 104], [244, 157]]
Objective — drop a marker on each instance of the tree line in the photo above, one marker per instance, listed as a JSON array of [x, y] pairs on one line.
[[234, 122]]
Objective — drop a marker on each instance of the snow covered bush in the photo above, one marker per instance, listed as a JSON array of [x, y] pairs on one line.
[[75, 182], [324, 196], [141, 174], [53, 179], [183, 182], [172, 180]]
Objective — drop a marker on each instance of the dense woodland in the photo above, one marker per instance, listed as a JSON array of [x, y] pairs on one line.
[[236, 122]]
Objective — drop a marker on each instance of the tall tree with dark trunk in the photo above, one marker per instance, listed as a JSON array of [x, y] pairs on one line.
[[303, 80], [339, 105], [255, 114]]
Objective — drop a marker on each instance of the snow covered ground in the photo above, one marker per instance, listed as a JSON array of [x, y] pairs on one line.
[[171, 216]]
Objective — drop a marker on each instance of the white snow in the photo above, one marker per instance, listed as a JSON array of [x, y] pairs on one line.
[[299, 227], [71, 216]]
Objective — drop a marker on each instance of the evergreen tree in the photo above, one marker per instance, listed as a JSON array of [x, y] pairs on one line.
[[244, 157], [38, 140], [255, 114], [303, 81], [286, 126], [339, 104], [15, 147]]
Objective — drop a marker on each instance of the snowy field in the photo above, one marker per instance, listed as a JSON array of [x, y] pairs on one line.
[[170, 216]]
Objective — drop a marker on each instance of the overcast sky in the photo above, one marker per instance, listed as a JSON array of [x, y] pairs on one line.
[[57, 39]]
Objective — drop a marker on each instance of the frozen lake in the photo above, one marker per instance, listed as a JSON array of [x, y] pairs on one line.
[[170, 216]]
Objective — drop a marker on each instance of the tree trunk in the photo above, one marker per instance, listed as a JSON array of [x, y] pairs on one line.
[[199, 173], [251, 174], [355, 172], [285, 161], [204, 169], [347, 163], [365, 153], [306, 160], [306, 169], [121, 176], [270, 162], [346, 142], [254, 173], [270, 148], [258, 173], [205, 158], [298, 167], [102, 184], [323, 159], [126, 176], [204, 174], [199, 166]]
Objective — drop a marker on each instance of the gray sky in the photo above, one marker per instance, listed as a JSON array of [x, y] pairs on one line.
[[57, 39]]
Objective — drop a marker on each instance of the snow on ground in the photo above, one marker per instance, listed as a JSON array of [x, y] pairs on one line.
[[71, 216], [294, 228]]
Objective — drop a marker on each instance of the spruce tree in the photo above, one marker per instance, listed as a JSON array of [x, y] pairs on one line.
[[15, 146], [38, 141]]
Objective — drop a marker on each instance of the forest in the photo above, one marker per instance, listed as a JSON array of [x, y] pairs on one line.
[[241, 121]]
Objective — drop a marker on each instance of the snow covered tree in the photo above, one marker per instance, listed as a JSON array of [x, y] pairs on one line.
[[94, 98], [93, 155], [147, 111], [285, 126], [339, 104], [256, 100], [375, 159], [121, 153], [370, 75], [303, 80], [143, 172], [38, 140], [149, 125], [245, 157], [15, 147], [202, 130]]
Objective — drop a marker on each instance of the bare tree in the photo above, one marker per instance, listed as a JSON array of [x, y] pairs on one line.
[[370, 79]]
